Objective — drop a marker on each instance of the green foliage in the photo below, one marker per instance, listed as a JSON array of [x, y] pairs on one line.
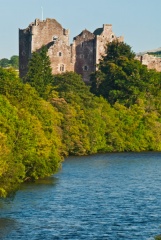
[[83, 129], [39, 73], [158, 237], [156, 54], [13, 62], [36, 132], [11, 170], [116, 49], [4, 62], [91, 125], [30, 135], [121, 78]]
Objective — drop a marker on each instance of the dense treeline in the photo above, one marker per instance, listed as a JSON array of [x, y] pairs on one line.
[[30, 134], [44, 117], [12, 62]]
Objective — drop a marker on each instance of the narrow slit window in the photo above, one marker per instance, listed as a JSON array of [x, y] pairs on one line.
[[62, 68], [85, 68]]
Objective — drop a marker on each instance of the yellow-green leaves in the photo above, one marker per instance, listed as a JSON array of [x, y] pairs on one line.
[[31, 143]]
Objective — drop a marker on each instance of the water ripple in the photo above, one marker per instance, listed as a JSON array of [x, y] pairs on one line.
[[100, 197]]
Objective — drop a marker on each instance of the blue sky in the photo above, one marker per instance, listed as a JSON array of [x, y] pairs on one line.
[[139, 21]]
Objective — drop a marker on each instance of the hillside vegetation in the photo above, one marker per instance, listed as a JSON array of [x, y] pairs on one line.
[[44, 118]]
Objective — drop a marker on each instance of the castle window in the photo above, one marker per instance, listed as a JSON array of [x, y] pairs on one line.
[[85, 68], [55, 38], [112, 36], [82, 44], [62, 68], [81, 56], [60, 54]]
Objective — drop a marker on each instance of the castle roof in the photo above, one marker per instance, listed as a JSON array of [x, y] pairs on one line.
[[98, 31]]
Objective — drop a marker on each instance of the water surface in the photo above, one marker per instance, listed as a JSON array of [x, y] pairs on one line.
[[106, 196]]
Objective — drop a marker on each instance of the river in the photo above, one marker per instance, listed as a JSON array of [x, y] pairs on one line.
[[100, 197]]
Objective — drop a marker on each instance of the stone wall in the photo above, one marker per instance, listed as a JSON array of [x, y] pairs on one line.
[[150, 61], [84, 45], [60, 57], [103, 36], [81, 56], [47, 33]]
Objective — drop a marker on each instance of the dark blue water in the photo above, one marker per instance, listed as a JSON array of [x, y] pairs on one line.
[[110, 196]]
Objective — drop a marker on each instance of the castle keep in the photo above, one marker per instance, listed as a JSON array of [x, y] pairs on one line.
[[81, 56]]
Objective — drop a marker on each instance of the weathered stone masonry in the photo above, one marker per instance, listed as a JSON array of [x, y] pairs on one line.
[[81, 56], [152, 62]]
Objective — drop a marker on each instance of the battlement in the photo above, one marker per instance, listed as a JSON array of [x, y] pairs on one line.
[[107, 26]]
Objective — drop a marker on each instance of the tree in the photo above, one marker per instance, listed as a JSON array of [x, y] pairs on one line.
[[39, 73], [14, 61], [71, 85], [82, 125], [4, 62], [30, 135], [116, 49], [120, 77]]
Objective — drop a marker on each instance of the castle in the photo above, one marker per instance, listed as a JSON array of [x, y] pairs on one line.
[[152, 59], [81, 56]]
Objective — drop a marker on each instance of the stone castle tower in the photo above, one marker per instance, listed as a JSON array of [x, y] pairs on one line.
[[81, 56]]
